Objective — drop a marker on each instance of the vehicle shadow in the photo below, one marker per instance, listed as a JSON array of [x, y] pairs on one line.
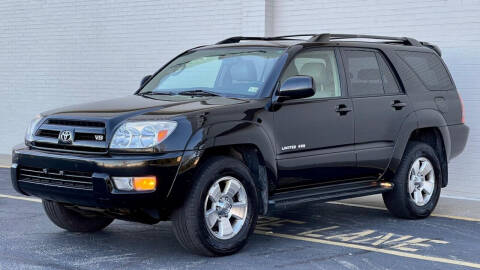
[[132, 241], [128, 245]]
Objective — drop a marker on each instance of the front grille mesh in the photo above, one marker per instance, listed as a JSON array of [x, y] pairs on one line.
[[79, 136], [57, 178], [48, 133]]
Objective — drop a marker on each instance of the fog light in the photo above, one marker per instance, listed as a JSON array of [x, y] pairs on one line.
[[123, 183], [145, 183]]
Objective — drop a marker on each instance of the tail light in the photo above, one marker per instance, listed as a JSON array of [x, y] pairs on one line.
[[463, 109]]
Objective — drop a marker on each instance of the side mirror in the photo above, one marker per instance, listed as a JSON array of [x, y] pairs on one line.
[[145, 79], [297, 87]]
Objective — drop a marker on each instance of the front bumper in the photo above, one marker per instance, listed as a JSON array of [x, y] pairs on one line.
[[100, 193]]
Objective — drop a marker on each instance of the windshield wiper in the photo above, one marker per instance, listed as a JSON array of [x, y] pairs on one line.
[[169, 93], [198, 92]]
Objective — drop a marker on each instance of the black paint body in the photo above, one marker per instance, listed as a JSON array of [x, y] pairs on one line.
[[365, 140]]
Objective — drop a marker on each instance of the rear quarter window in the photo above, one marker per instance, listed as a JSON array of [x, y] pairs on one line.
[[429, 68]]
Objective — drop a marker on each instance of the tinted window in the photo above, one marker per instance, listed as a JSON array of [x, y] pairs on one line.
[[236, 72], [321, 65], [429, 69], [390, 85], [363, 73]]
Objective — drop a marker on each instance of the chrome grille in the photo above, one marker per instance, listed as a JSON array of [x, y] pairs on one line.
[[57, 178], [88, 136]]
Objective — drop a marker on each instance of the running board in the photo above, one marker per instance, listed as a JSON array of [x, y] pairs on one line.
[[330, 192]]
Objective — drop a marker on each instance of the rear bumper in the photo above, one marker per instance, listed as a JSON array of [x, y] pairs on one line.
[[458, 137], [101, 168]]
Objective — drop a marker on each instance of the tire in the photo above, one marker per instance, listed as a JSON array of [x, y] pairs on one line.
[[73, 221], [190, 223], [399, 201]]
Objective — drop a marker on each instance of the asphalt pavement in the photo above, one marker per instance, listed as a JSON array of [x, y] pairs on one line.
[[351, 234]]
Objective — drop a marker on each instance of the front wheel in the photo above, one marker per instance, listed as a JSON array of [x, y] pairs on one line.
[[220, 210], [417, 182], [73, 221]]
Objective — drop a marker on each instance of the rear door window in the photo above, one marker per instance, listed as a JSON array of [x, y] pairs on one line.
[[390, 85], [429, 68], [363, 72]]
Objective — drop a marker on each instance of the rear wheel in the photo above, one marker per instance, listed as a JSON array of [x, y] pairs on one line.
[[417, 183], [74, 221], [220, 211]]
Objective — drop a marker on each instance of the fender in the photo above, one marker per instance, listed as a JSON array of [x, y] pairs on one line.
[[408, 126], [245, 132], [223, 134], [433, 118], [424, 118]]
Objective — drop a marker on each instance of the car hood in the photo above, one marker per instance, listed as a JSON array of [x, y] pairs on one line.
[[160, 106]]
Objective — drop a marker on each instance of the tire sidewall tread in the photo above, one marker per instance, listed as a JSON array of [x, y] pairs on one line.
[[398, 200], [188, 221], [73, 221]]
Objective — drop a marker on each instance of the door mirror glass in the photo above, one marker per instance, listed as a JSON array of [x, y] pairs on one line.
[[297, 87], [145, 79]]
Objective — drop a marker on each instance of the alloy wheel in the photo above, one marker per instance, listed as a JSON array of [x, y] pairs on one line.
[[421, 181], [226, 207]]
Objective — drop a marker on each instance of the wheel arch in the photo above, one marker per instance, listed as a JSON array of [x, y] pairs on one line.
[[428, 126], [242, 140], [252, 157]]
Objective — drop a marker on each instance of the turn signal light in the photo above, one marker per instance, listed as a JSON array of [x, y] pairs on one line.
[[463, 109], [147, 183], [161, 135], [144, 183]]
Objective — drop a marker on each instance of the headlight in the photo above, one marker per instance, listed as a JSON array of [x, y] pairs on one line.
[[32, 127], [141, 134]]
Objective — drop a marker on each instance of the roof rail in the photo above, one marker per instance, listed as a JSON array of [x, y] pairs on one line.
[[326, 37], [237, 39], [329, 37]]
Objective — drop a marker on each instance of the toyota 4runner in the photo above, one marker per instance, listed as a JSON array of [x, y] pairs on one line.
[[224, 132]]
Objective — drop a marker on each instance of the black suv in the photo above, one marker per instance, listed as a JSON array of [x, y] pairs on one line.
[[224, 132]]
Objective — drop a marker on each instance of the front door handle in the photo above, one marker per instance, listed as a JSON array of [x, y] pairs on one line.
[[398, 105], [342, 109]]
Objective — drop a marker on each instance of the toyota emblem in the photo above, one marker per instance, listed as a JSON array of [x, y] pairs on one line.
[[66, 137]]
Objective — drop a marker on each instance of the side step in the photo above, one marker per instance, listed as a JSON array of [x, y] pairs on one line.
[[330, 192]]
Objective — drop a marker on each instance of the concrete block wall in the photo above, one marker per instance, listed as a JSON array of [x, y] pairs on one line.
[[55, 53], [454, 25]]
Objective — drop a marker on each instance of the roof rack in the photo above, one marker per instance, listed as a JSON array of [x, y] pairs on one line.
[[327, 37], [237, 39]]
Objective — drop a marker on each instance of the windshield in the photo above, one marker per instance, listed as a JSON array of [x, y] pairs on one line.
[[233, 72]]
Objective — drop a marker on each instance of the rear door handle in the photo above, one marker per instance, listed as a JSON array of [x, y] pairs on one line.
[[342, 109], [398, 105]]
